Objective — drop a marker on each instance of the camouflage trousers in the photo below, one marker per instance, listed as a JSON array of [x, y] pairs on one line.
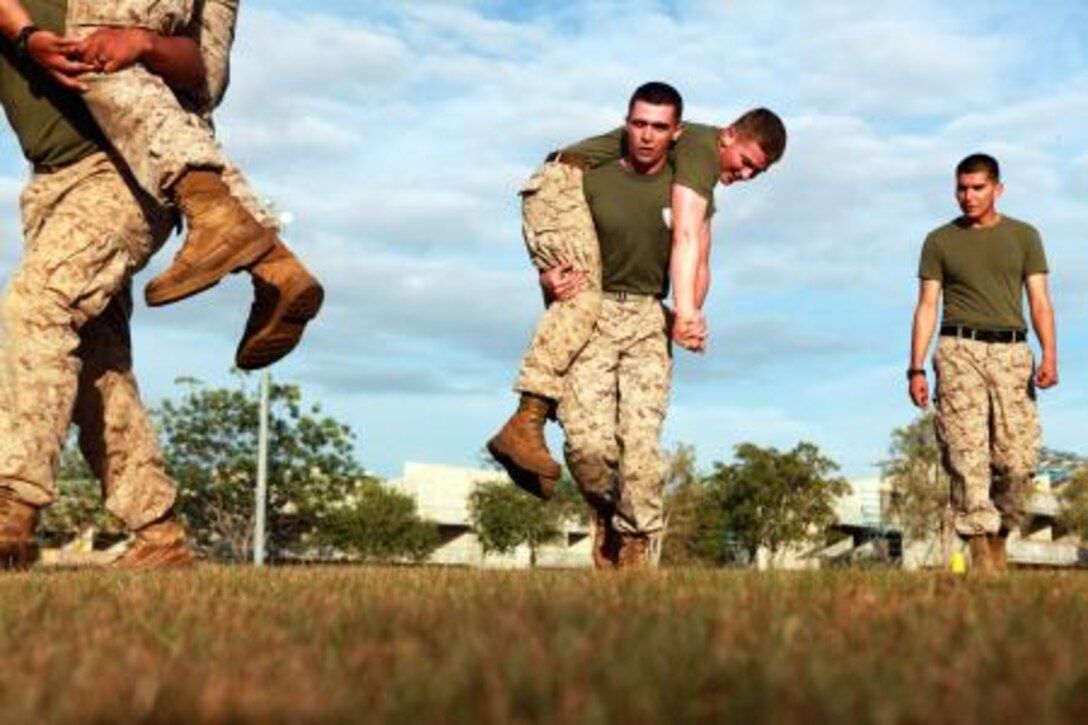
[[558, 229], [159, 135], [613, 409], [988, 430], [65, 351]]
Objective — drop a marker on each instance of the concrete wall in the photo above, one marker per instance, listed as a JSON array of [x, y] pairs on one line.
[[441, 493]]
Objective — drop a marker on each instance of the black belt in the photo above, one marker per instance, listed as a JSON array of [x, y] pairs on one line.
[[622, 296], [982, 334], [578, 161]]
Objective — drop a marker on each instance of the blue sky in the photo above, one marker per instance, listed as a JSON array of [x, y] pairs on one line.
[[395, 134]]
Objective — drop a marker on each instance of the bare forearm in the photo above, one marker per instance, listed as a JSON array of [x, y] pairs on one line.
[[702, 276], [702, 285], [925, 322], [1042, 320], [684, 270], [13, 18], [177, 60]]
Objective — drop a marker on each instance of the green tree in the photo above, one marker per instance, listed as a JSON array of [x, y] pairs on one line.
[[1070, 472], [768, 498], [1060, 465], [505, 517], [209, 439], [919, 492], [79, 509], [685, 495], [378, 523]]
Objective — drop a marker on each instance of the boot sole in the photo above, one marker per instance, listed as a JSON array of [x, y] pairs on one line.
[[283, 331], [542, 487], [205, 278]]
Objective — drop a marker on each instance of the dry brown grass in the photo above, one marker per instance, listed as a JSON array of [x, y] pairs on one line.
[[432, 645]]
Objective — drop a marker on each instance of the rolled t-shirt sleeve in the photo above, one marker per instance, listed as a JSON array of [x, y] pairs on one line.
[[1034, 256], [695, 160], [929, 266], [599, 150]]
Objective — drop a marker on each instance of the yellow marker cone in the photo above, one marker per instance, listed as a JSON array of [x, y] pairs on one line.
[[958, 563]]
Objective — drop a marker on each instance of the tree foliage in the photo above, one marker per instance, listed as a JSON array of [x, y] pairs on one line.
[[1072, 470], [79, 508], [919, 498], [504, 517], [377, 523], [768, 498], [1060, 466], [685, 495], [210, 442]]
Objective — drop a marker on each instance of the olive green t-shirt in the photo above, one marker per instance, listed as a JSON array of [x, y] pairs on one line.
[[53, 125], [982, 271], [601, 149], [694, 156], [631, 214]]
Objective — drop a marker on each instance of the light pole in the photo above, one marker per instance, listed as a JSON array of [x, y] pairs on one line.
[[261, 502]]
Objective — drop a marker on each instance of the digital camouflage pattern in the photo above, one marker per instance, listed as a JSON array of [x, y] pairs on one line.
[[64, 340], [558, 229], [988, 430], [613, 409], [158, 134], [166, 17]]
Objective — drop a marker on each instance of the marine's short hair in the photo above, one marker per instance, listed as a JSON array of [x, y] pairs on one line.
[[765, 128], [658, 94], [976, 163]]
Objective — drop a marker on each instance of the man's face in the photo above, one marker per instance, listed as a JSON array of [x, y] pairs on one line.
[[650, 131], [740, 158], [977, 195]]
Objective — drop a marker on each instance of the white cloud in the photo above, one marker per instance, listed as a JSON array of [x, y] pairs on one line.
[[397, 134]]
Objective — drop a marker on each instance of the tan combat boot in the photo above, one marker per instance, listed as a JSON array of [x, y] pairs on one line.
[[981, 560], [634, 552], [521, 449], [161, 544], [605, 542], [998, 552], [18, 522], [286, 297], [223, 238]]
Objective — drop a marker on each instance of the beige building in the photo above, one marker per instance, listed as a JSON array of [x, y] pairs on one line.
[[864, 531], [871, 533], [441, 494]]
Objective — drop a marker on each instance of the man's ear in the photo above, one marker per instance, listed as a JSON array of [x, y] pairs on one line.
[[999, 189], [729, 135], [678, 132]]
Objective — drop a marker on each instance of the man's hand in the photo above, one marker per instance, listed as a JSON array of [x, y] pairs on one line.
[[59, 58], [918, 389], [562, 282], [109, 50], [1047, 374], [689, 331]]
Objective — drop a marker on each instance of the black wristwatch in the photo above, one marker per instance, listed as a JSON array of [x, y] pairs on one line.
[[22, 39], [911, 372]]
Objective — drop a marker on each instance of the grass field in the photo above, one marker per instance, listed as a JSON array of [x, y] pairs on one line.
[[411, 645]]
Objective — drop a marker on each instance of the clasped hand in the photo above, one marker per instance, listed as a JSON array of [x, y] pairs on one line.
[[107, 50], [689, 331]]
